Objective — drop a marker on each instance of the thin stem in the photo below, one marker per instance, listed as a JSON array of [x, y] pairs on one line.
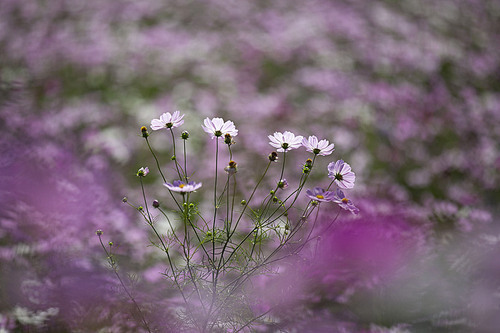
[[175, 157], [156, 159], [113, 266], [185, 161]]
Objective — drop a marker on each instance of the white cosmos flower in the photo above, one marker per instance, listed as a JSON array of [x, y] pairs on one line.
[[182, 187], [316, 147], [341, 173], [218, 128], [285, 141], [167, 120]]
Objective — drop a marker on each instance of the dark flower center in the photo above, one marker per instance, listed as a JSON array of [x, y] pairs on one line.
[[218, 133], [284, 145], [316, 151], [169, 125], [338, 176]]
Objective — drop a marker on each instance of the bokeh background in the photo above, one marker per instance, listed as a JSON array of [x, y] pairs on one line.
[[409, 92]]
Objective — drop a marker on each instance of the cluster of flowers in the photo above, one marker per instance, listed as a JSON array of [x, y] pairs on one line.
[[339, 171]]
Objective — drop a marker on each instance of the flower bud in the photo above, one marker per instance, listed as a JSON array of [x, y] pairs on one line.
[[173, 158], [228, 139], [185, 135], [271, 192], [99, 232], [282, 184], [275, 199], [273, 157], [143, 172], [144, 132], [156, 204], [243, 202], [309, 163], [125, 199], [231, 168], [110, 243]]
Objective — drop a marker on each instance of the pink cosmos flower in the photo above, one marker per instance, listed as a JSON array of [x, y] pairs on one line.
[[218, 128], [343, 202], [285, 141], [319, 194], [182, 187], [341, 173], [316, 147], [167, 120]]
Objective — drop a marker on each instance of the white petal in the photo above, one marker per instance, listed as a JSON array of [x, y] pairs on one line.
[[218, 123], [156, 124]]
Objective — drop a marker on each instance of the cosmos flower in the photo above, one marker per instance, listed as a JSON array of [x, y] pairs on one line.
[[341, 173], [182, 187], [318, 194], [285, 141], [343, 202], [167, 120], [218, 128], [316, 147]]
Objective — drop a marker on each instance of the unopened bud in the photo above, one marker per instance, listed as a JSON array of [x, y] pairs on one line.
[[99, 232], [144, 132], [185, 135], [282, 184], [125, 199], [228, 139], [273, 157], [156, 204], [243, 202]]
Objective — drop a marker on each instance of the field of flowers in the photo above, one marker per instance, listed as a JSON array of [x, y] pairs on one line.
[[407, 91]]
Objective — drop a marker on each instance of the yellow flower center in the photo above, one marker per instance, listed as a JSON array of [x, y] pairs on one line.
[[181, 185], [345, 200], [319, 196]]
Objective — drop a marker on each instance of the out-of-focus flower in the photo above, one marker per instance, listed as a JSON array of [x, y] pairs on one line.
[[217, 127], [182, 187], [341, 173], [143, 172], [285, 141], [340, 198], [319, 194], [167, 120], [316, 147]]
